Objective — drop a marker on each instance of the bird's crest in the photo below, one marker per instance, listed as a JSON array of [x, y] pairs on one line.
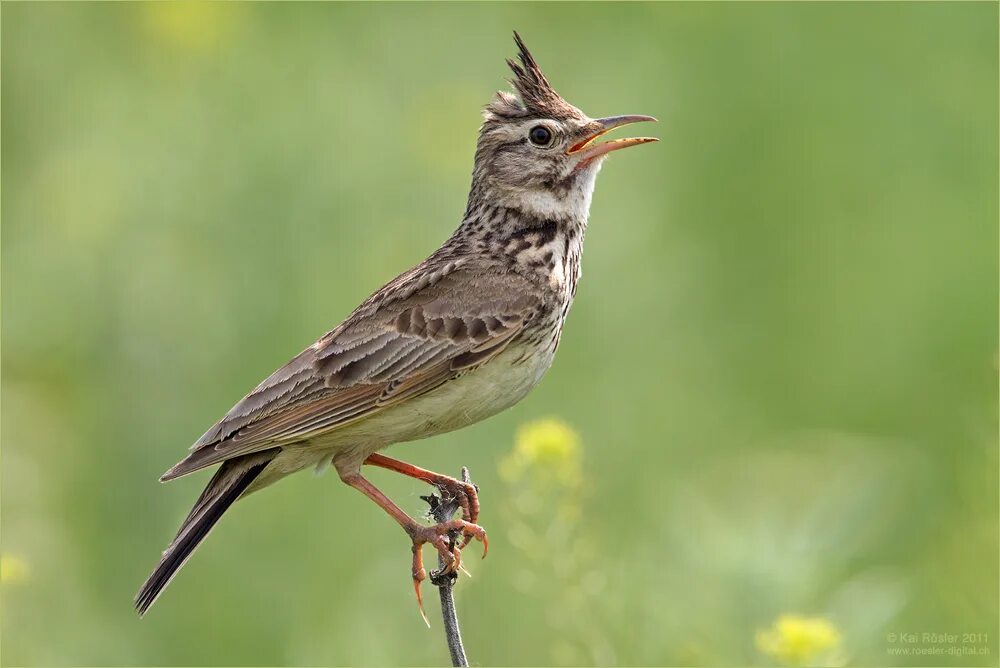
[[537, 97]]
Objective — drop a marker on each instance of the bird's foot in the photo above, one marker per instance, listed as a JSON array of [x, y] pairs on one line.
[[466, 495], [442, 536]]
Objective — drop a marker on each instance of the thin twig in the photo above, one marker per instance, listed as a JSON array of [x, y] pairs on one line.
[[443, 510]]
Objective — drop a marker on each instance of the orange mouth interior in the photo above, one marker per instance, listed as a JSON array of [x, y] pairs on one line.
[[579, 146]]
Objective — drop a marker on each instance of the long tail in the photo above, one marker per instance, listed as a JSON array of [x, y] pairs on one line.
[[226, 486]]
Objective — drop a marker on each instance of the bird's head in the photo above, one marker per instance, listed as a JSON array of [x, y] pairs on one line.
[[539, 153]]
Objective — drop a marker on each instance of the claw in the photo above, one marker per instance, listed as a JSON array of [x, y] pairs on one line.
[[420, 602], [471, 531], [451, 557], [438, 535], [419, 575]]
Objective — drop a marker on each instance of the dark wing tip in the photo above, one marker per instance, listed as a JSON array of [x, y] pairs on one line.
[[177, 470], [197, 526], [143, 601]]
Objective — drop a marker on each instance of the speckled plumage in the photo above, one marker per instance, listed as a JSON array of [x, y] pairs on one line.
[[461, 336]]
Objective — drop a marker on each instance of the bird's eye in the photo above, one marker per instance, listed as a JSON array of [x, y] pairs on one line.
[[540, 135]]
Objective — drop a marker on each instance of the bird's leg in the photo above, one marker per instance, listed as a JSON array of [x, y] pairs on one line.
[[436, 535], [465, 493]]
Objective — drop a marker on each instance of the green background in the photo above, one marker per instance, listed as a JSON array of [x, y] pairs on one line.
[[782, 361]]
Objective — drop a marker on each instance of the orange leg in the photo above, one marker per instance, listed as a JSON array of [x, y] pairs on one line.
[[436, 535], [465, 493]]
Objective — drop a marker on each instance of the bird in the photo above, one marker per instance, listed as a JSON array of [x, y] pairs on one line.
[[458, 338]]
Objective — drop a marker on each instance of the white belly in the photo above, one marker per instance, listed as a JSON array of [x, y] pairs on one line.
[[475, 396]]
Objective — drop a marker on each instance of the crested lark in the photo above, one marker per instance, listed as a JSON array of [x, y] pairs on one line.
[[460, 337]]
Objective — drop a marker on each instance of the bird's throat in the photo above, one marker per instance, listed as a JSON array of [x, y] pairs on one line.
[[546, 250]]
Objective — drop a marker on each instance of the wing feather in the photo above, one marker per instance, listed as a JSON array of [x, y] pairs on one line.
[[388, 351]]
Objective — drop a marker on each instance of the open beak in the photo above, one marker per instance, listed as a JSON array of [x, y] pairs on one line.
[[586, 150]]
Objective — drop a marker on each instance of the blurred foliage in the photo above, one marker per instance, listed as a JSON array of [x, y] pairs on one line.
[[782, 362], [558, 571], [13, 569]]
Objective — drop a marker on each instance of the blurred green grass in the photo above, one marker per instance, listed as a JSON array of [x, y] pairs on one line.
[[782, 361]]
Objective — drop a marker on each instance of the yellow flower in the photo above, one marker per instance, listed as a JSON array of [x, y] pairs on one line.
[[800, 641], [12, 569], [188, 25], [547, 446]]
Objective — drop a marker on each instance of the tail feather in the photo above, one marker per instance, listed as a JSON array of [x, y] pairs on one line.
[[229, 482]]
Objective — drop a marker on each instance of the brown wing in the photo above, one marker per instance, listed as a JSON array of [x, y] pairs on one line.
[[410, 338]]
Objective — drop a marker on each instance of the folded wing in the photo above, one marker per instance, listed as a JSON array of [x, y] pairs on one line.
[[403, 342]]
